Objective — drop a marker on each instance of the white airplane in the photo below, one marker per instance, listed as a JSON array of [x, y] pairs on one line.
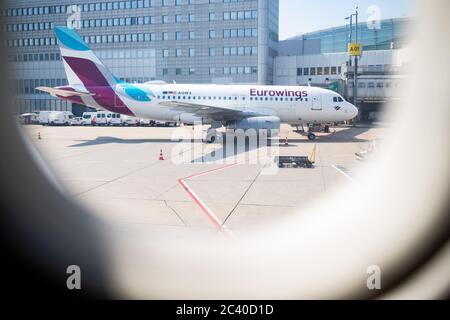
[[90, 83]]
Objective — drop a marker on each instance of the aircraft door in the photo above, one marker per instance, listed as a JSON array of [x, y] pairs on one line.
[[316, 102]]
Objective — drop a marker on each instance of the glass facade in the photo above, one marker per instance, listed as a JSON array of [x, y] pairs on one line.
[[189, 41], [391, 34]]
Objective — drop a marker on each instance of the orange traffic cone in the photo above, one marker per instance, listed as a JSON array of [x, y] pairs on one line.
[[161, 157]]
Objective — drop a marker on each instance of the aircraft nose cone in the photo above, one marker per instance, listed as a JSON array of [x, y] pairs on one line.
[[353, 111]]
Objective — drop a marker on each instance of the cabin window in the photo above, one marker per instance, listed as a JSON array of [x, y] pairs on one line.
[[335, 99]]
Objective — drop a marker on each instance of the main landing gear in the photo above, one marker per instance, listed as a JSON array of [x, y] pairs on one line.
[[211, 136], [311, 136]]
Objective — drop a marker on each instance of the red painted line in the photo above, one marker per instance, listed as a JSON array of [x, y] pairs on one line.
[[217, 223], [200, 204]]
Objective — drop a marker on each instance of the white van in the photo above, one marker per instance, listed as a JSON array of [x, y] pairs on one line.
[[77, 121], [43, 117], [102, 118], [116, 119], [60, 118], [87, 118], [129, 121], [145, 122]]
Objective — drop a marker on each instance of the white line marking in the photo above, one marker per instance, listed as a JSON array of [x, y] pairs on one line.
[[344, 173]]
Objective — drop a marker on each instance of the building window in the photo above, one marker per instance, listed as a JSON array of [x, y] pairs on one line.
[[165, 71], [165, 19], [178, 71], [212, 16], [212, 34], [299, 72], [178, 18], [326, 71], [333, 70], [212, 52], [178, 52], [178, 35], [191, 52], [212, 70], [191, 17], [312, 71], [165, 53], [191, 35], [191, 71], [319, 71], [306, 71]]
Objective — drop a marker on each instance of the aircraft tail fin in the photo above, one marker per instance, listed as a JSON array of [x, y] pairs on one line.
[[81, 65]]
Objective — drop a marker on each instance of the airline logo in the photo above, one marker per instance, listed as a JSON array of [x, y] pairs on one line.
[[278, 93], [337, 108]]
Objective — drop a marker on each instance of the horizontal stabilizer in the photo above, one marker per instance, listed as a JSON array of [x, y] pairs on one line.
[[63, 92]]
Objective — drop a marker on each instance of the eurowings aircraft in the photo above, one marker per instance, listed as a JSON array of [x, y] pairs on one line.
[[244, 107]]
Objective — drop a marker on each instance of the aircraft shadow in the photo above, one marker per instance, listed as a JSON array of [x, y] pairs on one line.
[[108, 140], [344, 136]]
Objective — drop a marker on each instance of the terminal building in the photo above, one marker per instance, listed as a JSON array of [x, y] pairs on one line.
[[320, 59], [187, 41]]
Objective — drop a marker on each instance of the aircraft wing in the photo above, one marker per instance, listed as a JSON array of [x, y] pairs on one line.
[[213, 112], [63, 92]]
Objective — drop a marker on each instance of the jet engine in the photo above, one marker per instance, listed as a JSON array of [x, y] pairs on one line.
[[267, 125], [266, 122]]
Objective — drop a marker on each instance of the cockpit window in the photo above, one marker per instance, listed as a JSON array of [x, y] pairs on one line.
[[338, 99]]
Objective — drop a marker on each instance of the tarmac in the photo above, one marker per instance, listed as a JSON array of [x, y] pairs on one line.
[[116, 173]]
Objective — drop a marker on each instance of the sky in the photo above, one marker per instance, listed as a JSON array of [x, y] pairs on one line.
[[301, 16]]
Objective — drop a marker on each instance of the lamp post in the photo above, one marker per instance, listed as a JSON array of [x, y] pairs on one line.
[[355, 86], [355, 69], [350, 39]]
